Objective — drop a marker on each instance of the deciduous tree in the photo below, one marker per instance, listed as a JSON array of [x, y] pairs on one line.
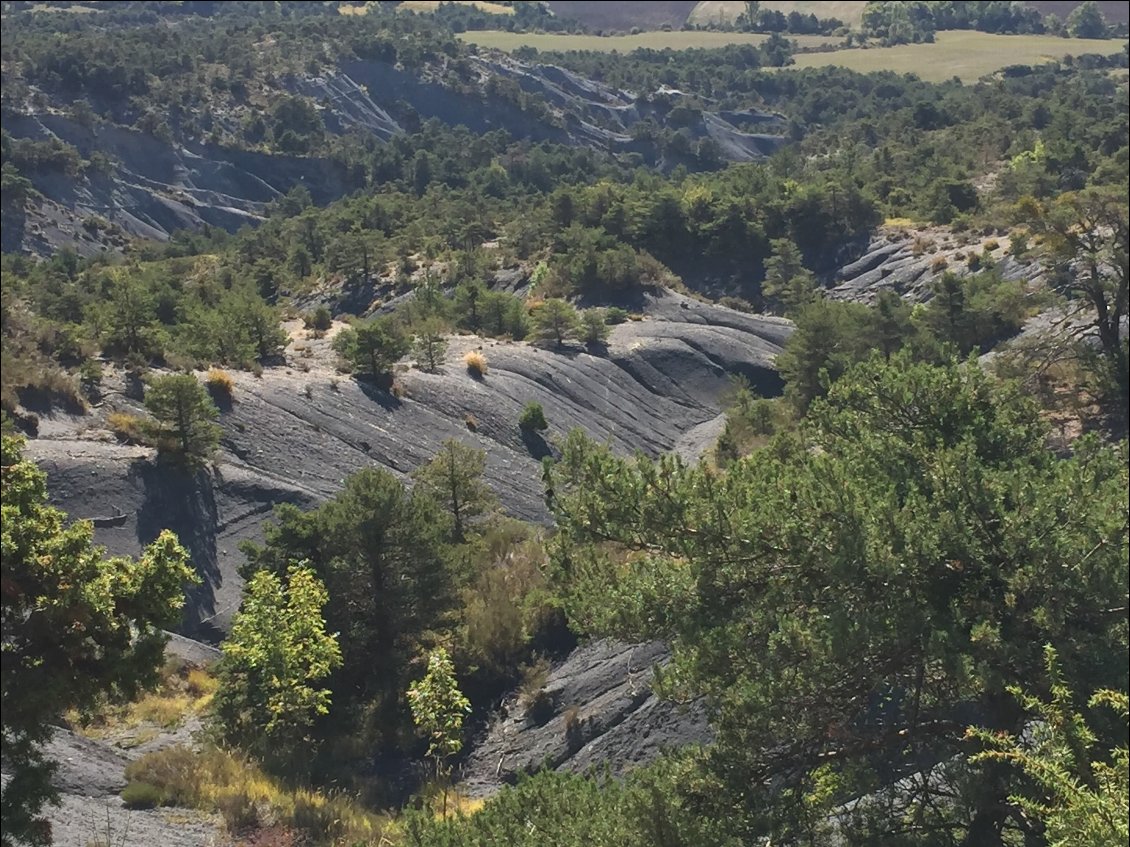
[[438, 708], [277, 653], [76, 625]]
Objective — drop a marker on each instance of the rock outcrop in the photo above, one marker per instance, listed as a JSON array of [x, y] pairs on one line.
[[909, 262], [294, 434], [89, 779], [596, 709]]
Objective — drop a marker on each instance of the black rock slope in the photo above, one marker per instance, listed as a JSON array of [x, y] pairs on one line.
[[294, 434]]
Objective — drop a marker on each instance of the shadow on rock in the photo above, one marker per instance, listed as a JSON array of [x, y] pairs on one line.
[[182, 500], [379, 394], [221, 397], [537, 445], [45, 401], [135, 385], [596, 348]]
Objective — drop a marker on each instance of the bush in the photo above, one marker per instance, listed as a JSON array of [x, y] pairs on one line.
[[615, 315], [215, 780], [220, 383], [939, 264], [532, 695], [239, 811], [176, 771], [127, 427], [476, 363], [738, 304], [594, 327], [142, 795], [506, 610], [533, 418], [319, 320]]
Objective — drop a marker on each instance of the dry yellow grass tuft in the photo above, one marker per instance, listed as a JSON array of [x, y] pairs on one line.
[[127, 427], [220, 382], [476, 363], [184, 690], [247, 798]]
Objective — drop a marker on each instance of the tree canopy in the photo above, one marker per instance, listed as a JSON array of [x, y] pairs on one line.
[[845, 595], [76, 625], [183, 416], [277, 653]]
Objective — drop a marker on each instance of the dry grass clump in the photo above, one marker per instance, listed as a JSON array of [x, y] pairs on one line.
[[247, 798], [939, 264], [183, 690], [129, 429], [220, 382], [476, 363]]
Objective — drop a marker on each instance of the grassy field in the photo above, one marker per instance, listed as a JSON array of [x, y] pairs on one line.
[[848, 11], [965, 54], [626, 43]]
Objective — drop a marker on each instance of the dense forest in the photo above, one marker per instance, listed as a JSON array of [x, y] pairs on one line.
[[898, 589]]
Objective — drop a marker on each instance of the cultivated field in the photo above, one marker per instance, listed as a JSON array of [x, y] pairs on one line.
[[848, 11], [965, 54], [626, 43]]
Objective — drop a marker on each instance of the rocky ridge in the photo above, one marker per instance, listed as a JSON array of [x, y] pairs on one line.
[[159, 186], [908, 261], [295, 433]]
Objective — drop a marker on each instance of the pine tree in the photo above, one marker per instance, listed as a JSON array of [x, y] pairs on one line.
[[374, 347], [787, 281], [556, 320], [183, 416], [901, 557], [594, 327], [430, 345], [454, 479]]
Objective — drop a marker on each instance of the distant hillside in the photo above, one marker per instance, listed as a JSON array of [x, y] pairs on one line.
[[851, 11], [848, 11], [624, 16], [1114, 12]]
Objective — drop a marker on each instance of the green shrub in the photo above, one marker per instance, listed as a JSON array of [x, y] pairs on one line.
[[532, 418], [319, 320], [142, 795]]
